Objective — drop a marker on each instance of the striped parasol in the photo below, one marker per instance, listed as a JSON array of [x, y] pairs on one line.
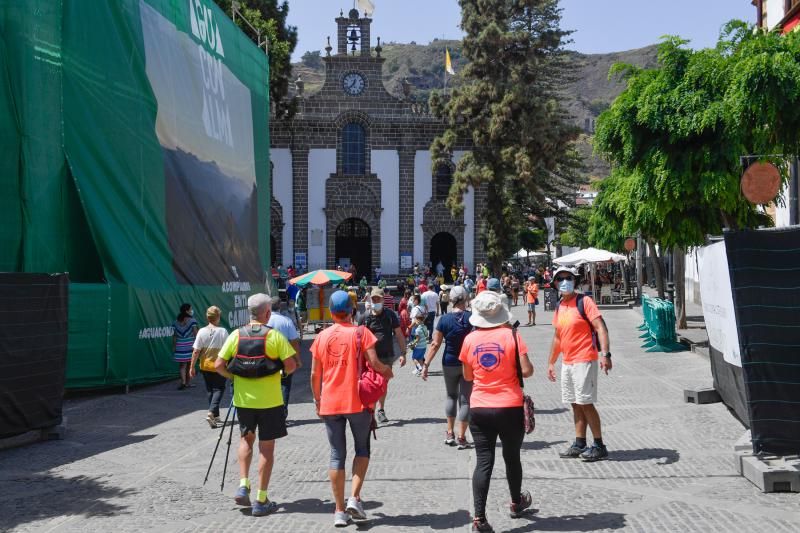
[[321, 277]]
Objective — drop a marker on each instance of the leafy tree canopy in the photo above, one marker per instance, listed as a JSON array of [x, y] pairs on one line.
[[676, 136], [510, 109], [269, 18]]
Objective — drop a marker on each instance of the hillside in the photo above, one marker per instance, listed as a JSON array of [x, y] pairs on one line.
[[423, 67]]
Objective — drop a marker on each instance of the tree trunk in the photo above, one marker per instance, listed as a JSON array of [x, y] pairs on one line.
[[658, 270], [679, 274]]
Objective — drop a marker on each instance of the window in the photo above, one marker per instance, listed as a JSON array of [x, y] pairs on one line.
[[442, 182], [353, 149]]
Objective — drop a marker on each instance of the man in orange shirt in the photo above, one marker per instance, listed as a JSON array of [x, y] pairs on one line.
[[580, 333], [338, 353], [531, 297]]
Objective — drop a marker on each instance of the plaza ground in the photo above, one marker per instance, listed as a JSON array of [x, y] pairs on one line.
[[136, 462]]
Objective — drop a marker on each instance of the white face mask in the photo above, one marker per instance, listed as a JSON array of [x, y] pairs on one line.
[[566, 286], [377, 308]]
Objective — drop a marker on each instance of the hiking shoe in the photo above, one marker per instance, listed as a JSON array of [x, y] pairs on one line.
[[380, 416], [573, 452], [341, 519], [212, 421], [463, 444], [450, 438], [355, 509], [595, 453], [264, 508], [517, 509], [480, 524], [243, 497]]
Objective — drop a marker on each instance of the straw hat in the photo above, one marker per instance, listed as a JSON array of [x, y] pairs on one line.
[[488, 311]]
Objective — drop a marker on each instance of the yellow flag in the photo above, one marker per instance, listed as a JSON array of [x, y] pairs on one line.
[[448, 65]]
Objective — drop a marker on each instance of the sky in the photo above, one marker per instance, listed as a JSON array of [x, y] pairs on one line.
[[600, 25]]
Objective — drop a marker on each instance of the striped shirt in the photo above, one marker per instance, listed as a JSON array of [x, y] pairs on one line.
[[184, 340]]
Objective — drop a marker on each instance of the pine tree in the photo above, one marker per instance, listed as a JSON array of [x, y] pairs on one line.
[[510, 108]]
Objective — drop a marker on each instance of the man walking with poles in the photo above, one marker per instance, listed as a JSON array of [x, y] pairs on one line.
[[253, 356]]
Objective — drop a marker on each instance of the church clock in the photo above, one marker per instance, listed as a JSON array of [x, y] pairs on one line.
[[353, 83]]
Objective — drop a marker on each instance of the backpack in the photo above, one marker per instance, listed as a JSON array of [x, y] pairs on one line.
[[582, 311], [251, 359]]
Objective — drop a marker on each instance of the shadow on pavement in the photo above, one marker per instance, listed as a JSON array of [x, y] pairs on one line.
[[540, 444], [317, 506], [669, 456], [556, 411], [453, 519], [42, 497], [401, 423], [586, 522]]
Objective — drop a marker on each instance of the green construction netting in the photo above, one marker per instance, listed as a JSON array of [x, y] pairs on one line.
[[133, 155]]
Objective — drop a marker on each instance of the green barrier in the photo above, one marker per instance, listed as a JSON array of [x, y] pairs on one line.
[[659, 319]]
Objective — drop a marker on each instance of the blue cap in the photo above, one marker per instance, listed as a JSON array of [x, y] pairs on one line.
[[341, 302], [493, 284]]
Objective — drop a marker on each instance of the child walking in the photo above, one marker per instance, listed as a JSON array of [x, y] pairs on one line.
[[419, 343]]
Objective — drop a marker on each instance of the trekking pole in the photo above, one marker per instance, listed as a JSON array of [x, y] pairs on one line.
[[221, 433], [228, 452]]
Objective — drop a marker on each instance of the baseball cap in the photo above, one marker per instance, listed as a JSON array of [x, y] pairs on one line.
[[458, 294], [340, 302], [376, 291], [493, 284]]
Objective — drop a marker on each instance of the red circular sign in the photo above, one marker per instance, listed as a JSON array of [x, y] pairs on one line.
[[761, 183], [630, 244]]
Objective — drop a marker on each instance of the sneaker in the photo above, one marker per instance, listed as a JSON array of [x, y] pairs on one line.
[[380, 416], [524, 502], [355, 509], [595, 453], [263, 509], [573, 452], [212, 421], [181, 386], [243, 497], [450, 438], [480, 524], [341, 519], [463, 444]]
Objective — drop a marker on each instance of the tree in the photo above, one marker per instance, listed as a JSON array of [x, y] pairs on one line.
[[510, 109], [269, 18], [676, 134], [532, 239], [576, 233], [312, 59]]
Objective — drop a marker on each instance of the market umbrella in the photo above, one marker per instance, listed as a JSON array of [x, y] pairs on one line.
[[589, 255], [321, 277]]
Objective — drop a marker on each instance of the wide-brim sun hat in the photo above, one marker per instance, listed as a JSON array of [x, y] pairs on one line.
[[571, 270], [488, 311]]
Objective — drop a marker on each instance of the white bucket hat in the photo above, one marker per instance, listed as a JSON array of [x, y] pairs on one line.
[[488, 311]]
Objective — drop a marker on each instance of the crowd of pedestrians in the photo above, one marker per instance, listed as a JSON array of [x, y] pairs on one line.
[[484, 362]]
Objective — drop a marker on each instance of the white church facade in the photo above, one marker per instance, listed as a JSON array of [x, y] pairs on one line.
[[352, 173]]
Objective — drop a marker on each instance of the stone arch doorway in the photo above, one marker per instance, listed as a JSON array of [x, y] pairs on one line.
[[273, 250], [354, 246], [444, 248]]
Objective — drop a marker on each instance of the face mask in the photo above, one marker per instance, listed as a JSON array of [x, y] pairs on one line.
[[566, 286], [377, 308]]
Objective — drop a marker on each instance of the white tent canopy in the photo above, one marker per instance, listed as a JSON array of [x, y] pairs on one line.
[[589, 255], [523, 253]]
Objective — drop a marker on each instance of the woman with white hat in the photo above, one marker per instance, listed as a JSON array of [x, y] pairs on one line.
[[489, 357]]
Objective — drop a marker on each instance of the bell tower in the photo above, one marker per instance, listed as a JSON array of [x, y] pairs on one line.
[[353, 34]]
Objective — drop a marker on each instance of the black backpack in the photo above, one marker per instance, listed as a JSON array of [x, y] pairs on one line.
[[582, 311]]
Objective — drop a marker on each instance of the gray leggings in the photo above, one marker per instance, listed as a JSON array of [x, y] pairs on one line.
[[336, 425], [458, 392]]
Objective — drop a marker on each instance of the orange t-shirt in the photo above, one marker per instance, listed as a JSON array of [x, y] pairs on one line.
[[574, 332], [335, 349], [532, 291], [490, 353]]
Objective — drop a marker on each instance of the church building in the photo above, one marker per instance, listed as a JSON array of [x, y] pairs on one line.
[[352, 173]]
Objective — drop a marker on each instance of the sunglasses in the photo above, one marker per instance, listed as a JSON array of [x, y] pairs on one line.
[[564, 278]]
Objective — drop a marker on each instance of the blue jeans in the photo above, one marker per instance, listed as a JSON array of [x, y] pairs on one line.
[[215, 387], [286, 389]]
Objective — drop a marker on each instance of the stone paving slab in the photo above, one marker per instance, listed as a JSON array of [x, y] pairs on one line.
[[136, 462]]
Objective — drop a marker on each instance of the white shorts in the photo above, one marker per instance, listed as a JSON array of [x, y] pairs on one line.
[[579, 383]]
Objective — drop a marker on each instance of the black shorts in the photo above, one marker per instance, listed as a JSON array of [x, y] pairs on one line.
[[270, 422]]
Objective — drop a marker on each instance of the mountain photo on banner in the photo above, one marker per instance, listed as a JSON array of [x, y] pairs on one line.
[[205, 127]]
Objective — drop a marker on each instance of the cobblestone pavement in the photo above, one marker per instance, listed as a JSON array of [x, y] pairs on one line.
[[136, 462]]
